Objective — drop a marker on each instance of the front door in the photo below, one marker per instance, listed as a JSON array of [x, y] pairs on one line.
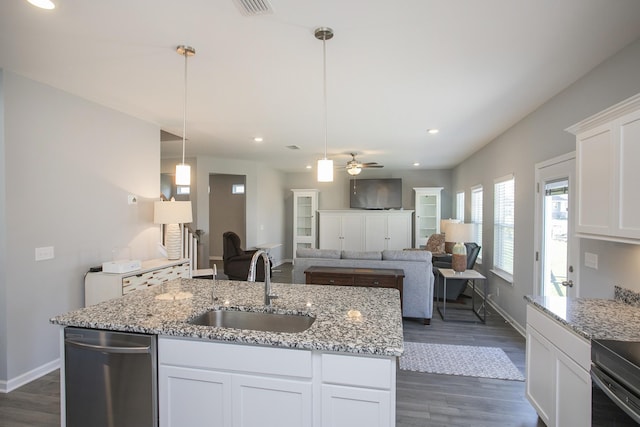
[[556, 246]]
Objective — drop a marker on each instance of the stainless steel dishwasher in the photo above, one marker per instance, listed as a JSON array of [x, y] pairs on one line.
[[110, 379]]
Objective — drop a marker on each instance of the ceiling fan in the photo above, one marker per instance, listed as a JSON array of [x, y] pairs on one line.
[[354, 167]]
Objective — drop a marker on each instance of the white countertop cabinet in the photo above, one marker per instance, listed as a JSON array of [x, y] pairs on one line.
[[229, 385], [558, 384], [607, 153]]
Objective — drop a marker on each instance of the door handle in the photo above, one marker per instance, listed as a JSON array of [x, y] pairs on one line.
[[568, 283]]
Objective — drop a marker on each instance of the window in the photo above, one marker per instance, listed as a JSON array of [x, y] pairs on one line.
[[503, 226], [460, 206], [476, 216], [237, 189]]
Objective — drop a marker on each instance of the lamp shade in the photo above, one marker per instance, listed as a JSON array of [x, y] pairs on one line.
[[459, 233], [444, 223], [172, 212], [325, 170]]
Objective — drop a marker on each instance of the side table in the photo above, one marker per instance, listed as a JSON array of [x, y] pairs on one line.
[[472, 275]]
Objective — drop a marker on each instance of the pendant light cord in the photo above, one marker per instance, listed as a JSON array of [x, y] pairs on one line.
[[324, 62], [184, 109]]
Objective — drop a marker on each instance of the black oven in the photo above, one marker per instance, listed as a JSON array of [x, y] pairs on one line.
[[615, 383]]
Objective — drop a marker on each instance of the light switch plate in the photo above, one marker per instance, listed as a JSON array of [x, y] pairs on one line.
[[44, 253], [591, 260]]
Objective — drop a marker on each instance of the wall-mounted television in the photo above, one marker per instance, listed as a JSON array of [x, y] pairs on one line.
[[383, 193]]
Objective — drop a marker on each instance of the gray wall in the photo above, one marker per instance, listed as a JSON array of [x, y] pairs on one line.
[[67, 168], [538, 137], [335, 195]]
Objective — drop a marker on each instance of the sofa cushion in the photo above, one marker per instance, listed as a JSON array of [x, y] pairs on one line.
[[376, 255], [391, 255], [318, 253]]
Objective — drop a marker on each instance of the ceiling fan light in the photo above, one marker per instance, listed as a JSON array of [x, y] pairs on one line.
[[325, 170], [183, 174], [354, 170]]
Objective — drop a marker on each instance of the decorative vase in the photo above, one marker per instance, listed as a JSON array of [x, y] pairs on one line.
[[459, 257]]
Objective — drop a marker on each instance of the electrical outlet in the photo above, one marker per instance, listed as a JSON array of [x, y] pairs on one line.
[[132, 199], [591, 260], [44, 253]]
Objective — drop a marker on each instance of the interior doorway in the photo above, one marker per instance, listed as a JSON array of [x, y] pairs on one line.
[[556, 245], [227, 210]]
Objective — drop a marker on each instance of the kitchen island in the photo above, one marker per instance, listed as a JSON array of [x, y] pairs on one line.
[[340, 371]]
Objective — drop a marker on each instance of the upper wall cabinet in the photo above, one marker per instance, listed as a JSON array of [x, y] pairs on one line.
[[608, 154]]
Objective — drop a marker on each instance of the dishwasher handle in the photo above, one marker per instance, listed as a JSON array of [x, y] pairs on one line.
[[109, 349]]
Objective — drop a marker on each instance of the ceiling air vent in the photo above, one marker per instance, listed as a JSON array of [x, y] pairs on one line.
[[293, 147], [254, 7]]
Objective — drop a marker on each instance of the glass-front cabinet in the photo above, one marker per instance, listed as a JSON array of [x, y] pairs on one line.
[[427, 218], [305, 206]]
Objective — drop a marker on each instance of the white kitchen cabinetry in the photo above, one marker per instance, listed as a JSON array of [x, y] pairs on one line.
[[215, 384], [387, 230], [558, 384], [305, 206], [608, 152], [212, 384], [341, 230], [428, 208], [100, 286], [362, 230]]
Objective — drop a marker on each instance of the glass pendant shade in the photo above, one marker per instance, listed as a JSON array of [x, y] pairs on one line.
[[325, 170], [354, 171], [183, 174]]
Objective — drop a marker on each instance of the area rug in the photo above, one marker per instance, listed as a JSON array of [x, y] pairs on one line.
[[464, 360]]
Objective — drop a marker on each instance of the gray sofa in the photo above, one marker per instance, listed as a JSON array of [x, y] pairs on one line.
[[417, 290]]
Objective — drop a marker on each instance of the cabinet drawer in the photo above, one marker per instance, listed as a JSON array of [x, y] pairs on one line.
[[329, 279], [151, 278], [382, 281], [574, 346], [356, 371]]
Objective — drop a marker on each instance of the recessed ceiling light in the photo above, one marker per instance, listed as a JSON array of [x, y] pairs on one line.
[[309, 166], [258, 139], [43, 4], [433, 131], [416, 164]]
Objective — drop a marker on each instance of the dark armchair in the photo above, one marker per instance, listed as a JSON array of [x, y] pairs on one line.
[[236, 260], [455, 287]]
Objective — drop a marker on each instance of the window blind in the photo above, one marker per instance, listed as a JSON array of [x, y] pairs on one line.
[[503, 224], [460, 206], [476, 216]]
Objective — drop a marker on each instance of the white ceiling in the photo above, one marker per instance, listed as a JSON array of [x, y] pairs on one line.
[[395, 68]]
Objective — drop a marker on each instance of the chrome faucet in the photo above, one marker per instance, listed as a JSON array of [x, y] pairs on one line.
[[268, 296]]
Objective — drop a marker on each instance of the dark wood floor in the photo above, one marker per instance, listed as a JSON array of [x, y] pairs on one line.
[[425, 400]]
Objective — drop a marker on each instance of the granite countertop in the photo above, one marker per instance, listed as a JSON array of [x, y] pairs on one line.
[[378, 331], [593, 318]]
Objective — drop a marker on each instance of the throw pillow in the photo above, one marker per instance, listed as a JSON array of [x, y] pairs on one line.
[[435, 244]]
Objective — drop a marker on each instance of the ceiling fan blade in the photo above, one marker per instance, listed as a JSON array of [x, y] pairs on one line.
[[369, 163], [372, 166]]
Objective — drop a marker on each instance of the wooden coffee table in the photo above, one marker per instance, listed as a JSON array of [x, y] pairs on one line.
[[345, 276]]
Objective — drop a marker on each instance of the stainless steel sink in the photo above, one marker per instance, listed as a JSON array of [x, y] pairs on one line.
[[269, 322]]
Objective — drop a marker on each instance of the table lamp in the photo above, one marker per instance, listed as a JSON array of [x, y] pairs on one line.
[[172, 214], [460, 234], [444, 223]]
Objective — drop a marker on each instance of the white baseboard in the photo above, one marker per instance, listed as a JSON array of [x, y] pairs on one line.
[[506, 315], [27, 377]]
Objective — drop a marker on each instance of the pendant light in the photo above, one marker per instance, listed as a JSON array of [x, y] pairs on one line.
[[183, 171], [325, 166]]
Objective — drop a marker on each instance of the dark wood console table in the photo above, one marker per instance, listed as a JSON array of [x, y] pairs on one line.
[[344, 276]]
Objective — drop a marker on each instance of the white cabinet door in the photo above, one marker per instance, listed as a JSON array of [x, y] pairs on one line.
[[376, 232], [573, 393], [194, 397], [351, 406], [271, 402], [353, 233], [305, 205], [428, 207], [558, 382], [595, 164], [330, 231], [629, 176], [398, 231]]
